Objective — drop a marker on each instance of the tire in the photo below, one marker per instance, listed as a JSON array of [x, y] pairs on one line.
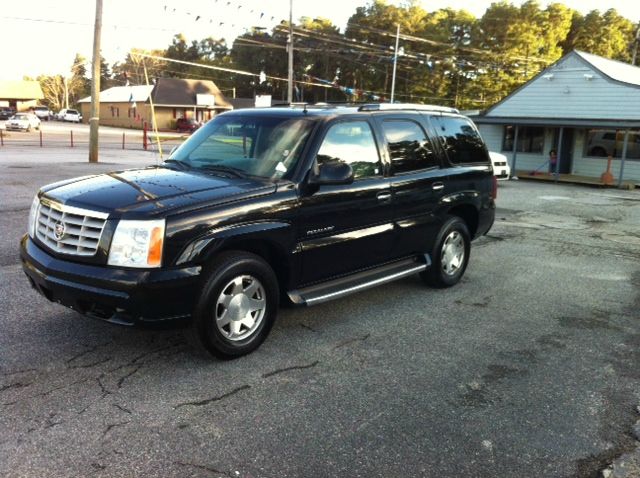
[[224, 324], [450, 254]]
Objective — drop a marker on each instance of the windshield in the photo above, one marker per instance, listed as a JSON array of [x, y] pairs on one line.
[[268, 147]]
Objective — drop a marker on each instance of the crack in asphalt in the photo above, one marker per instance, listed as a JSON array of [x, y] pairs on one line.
[[350, 341], [294, 367], [126, 376], [14, 385], [92, 364], [105, 390], [111, 426], [120, 407], [199, 403], [16, 372], [88, 351], [51, 390], [202, 467]]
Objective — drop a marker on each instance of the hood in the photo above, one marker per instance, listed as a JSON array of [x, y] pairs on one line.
[[154, 190]]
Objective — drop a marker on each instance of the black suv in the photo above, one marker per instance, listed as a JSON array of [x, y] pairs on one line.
[[303, 204]]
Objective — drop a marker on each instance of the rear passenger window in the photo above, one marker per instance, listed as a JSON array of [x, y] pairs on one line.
[[460, 140], [409, 146], [351, 142]]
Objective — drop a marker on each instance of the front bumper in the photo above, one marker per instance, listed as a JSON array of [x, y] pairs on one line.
[[119, 295]]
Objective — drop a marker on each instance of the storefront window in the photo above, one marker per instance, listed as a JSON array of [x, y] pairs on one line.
[[530, 139], [600, 143]]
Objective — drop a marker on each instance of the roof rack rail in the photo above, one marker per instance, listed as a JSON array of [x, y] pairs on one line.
[[306, 105], [406, 106]]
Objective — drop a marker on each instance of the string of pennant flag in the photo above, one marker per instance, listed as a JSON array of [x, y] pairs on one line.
[[259, 15]]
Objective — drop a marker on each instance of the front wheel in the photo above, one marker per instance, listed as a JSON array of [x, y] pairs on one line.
[[450, 254], [237, 306]]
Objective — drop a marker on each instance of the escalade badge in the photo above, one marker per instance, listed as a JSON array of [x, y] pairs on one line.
[[58, 231]]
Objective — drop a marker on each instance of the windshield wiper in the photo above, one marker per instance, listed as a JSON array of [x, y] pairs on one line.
[[219, 168], [181, 164]]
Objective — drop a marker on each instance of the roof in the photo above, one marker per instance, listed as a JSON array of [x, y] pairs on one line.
[[182, 92], [547, 99], [20, 90], [123, 94], [616, 70]]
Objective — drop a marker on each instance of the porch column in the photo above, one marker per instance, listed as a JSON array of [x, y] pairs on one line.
[[624, 156], [514, 153], [558, 153]]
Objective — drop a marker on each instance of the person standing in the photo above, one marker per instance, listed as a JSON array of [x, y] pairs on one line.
[[553, 159]]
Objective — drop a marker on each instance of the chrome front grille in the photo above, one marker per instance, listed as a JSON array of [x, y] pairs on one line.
[[68, 229]]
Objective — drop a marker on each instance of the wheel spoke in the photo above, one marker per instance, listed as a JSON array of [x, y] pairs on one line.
[[248, 321], [256, 304], [237, 286], [224, 319], [224, 300], [234, 327], [252, 288]]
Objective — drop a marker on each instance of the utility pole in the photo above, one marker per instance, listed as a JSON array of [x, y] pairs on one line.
[[95, 87], [395, 62], [290, 45], [635, 45]]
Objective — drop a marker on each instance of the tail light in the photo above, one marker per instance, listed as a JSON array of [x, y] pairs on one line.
[[494, 187]]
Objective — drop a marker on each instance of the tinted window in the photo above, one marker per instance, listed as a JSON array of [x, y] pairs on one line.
[[409, 147], [530, 139], [460, 140], [351, 142]]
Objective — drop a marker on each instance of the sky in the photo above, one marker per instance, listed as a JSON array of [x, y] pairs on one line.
[[43, 36]]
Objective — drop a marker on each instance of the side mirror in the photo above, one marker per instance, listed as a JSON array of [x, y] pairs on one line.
[[333, 173]]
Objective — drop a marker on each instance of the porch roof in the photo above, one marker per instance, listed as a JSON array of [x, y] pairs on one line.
[[558, 122]]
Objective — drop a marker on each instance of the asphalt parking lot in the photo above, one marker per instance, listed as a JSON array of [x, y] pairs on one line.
[[528, 368]]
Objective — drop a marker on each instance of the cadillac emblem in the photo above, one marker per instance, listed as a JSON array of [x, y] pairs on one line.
[[58, 230]]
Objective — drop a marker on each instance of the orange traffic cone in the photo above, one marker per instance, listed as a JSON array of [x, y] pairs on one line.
[[606, 177]]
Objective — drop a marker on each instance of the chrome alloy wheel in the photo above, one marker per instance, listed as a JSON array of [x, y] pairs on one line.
[[240, 307], [453, 250]]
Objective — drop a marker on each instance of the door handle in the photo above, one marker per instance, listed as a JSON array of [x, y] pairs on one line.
[[382, 197], [437, 186]]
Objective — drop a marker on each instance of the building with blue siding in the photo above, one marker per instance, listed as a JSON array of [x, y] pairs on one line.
[[584, 107]]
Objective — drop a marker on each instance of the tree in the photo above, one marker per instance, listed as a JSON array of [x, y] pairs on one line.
[[132, 68], [609, 35]]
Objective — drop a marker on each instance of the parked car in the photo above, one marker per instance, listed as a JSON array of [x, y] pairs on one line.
[[500, 164], [67, 114], [6, 113], [23, 122], [43, 113], [307, 205], [188, 125]]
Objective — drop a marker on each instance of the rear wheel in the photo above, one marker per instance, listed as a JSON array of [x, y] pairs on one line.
[[450, 254], [237, 307]]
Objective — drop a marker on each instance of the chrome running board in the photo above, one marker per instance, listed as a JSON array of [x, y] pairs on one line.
[[343, 286]]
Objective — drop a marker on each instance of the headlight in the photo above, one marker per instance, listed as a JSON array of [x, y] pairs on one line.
[[137, 244], [33, 216]]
